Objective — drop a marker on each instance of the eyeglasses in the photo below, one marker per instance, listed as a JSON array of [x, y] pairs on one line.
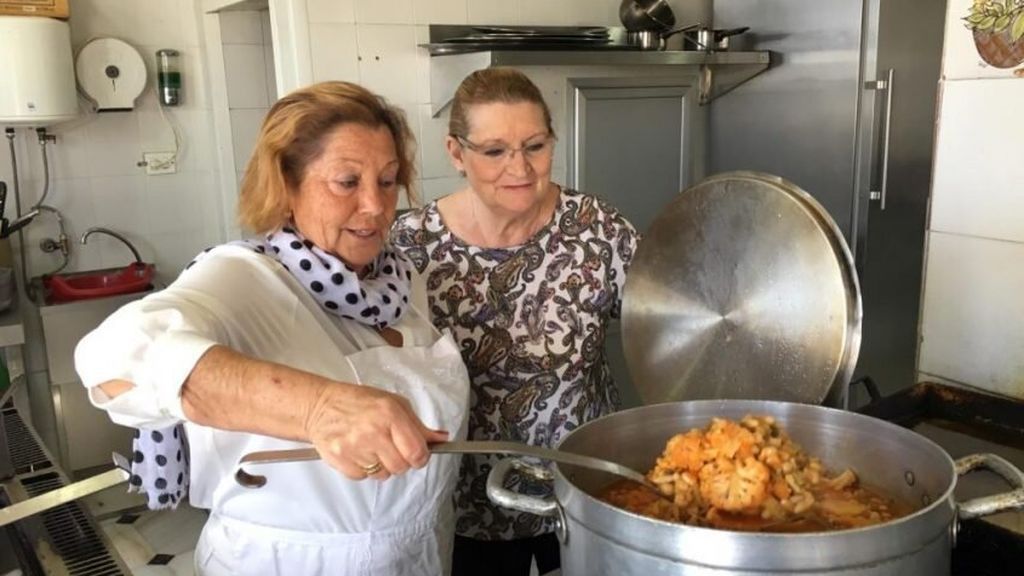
[[500, 154]]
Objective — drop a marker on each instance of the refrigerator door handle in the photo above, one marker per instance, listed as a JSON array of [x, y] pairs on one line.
[[882, 192]]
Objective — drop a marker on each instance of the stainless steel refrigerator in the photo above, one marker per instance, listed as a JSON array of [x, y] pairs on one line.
[[848, 114]]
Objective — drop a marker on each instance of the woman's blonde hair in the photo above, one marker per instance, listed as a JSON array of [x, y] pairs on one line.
[[292, 136], [491, 85]]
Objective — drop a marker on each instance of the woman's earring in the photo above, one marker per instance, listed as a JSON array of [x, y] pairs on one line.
[[462, 173]]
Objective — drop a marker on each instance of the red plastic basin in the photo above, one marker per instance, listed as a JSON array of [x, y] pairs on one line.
[[84, 285]]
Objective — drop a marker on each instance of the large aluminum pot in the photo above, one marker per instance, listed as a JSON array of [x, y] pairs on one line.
[[597, 538]]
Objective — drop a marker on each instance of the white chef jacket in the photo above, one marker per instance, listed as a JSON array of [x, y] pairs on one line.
[[308, 518]]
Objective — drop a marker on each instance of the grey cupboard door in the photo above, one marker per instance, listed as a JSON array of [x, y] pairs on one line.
[[635, 142]]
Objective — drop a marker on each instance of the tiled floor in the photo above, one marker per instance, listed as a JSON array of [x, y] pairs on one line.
[[150, 543]]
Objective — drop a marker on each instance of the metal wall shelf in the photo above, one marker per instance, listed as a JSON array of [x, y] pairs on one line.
[[719, 72]]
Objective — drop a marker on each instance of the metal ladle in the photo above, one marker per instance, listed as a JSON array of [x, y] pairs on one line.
[[467, 447]]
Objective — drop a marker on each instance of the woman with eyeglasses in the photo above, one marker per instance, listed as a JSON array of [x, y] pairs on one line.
[[526, 274]]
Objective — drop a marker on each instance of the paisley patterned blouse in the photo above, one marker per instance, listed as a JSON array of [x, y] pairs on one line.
[[531, 322]]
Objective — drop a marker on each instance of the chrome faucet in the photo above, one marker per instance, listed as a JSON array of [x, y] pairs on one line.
[[109, 232]]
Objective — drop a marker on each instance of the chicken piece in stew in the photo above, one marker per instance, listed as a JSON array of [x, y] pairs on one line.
[[750, 476]]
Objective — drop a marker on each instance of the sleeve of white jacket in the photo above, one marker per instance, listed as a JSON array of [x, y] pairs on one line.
[[156, 342]]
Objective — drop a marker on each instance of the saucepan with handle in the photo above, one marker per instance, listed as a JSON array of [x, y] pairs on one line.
[[655, 39]]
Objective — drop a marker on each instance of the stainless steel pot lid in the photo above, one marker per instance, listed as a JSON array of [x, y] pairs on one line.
[[743, 288]]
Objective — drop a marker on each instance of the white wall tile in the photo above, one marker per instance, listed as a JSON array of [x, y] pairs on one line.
[[435, 188], [73, 197], [103, 18], [962, 53], [155, 133], [209, 211], [114, 148], [979, 160], [68, 156], [331, 11], [241, 27], [266, 28], [270, 74], [335, 50], [197, 140], [175, 250], [120, 204], [378, 12], [440, 11], [544, 12], [422, 65], [160, 22], [388, 61], [412, 119], [245, 127], [193, 82], [493, 12], [246, 76], [435, 157], [191, 23], [268, 56], [169, 201], [971, 329], [591, 13]]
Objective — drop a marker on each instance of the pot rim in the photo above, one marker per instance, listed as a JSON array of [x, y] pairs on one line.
[[947, 494]]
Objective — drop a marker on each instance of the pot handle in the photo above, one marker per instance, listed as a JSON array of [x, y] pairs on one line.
[[987, 505], [506, 498]]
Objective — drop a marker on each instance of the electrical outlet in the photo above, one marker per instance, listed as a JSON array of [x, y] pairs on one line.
[[160, 162]]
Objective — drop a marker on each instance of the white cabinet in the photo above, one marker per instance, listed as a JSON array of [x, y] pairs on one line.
[[85, 435]]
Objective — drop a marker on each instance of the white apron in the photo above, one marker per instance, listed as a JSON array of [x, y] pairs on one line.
[[434, 380]]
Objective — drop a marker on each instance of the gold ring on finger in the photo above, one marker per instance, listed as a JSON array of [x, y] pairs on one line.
[[372, 469]]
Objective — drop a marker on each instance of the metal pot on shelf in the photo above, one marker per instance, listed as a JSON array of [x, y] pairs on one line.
[[597, 538], [655, 39], [640, 15], [710, 40]]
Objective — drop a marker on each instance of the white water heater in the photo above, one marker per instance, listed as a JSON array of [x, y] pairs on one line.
[[37, 75]]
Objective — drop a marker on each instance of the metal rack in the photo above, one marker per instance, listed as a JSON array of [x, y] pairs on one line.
[[717, 72]]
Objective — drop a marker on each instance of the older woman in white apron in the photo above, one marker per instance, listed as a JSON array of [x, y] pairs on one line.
[[311, 333]]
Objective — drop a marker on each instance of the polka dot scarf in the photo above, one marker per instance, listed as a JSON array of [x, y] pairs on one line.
[[378, 299], [160, 466], [160, 457]]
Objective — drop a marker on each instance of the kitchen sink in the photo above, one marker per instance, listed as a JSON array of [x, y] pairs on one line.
[[73, 286]]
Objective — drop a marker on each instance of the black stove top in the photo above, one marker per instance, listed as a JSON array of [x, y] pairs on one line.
[[965, 422]]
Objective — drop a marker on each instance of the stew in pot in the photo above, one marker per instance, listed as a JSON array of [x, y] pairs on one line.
[[750, 476]]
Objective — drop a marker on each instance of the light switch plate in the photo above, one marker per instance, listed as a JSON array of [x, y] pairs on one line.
[[160, 163]]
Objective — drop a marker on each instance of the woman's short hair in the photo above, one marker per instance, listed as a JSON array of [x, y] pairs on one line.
[[292, 136], [488, 86]]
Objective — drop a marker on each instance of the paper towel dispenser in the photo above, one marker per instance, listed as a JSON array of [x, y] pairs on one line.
[[111, 73]]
